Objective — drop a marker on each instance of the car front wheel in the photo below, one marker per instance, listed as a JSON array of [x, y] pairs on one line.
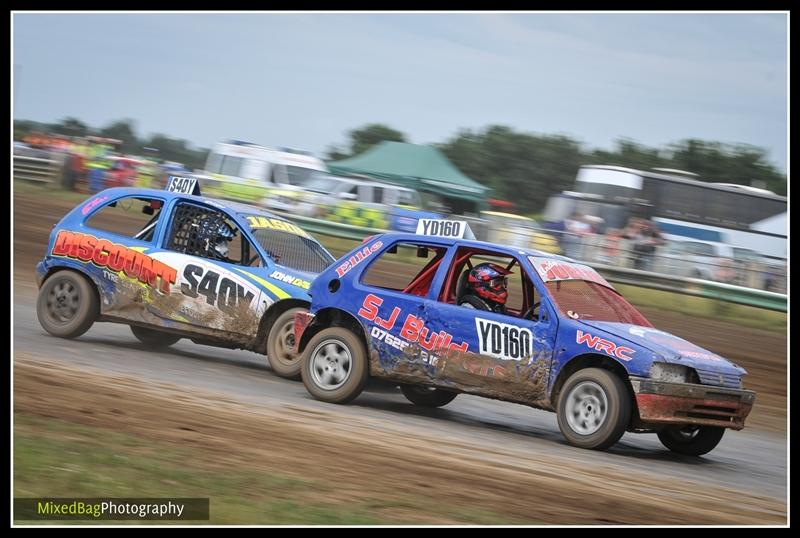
[[594, 409], [334, 366]]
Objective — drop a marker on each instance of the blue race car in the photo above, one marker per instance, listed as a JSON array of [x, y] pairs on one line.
[[512, 324], [177, 265]]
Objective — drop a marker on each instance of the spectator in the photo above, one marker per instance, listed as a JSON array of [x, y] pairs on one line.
[[576, 228], [610, 247], [645, 237]]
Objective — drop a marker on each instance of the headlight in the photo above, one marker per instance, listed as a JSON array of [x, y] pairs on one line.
[[671, 373]]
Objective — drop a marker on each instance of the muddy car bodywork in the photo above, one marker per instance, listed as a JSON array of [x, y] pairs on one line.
[[156, 280], [419, 335]]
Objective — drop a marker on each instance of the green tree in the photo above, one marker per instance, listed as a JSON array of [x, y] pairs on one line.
[[70, 126], [363, 138], [523, 168], [632, 155], [22, 128], [728, 163], [711, 161], [123, 130], [335, 153], [174, 149]]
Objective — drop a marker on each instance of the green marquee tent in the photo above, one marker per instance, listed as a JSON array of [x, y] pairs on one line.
[[423, 168]]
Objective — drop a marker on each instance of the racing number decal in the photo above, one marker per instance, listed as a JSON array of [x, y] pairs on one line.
[[223, 292], [503, 341]]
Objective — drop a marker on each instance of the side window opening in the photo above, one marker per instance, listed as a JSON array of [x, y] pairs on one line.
[[406, 198], [209, 233], [406, 267], [231, 166], [280, 174], [378, 195], [522, 295], [134, 217]]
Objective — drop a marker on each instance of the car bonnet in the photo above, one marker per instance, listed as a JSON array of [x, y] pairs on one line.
[[671, 347]]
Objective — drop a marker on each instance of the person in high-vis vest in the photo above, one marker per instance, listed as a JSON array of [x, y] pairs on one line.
[[97, 164], [146, 172]]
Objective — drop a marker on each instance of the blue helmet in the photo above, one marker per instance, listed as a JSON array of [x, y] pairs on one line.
[[215, 234]]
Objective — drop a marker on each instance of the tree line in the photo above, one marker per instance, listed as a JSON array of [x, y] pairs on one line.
[[528, 168], [522, 167], [160, 146]]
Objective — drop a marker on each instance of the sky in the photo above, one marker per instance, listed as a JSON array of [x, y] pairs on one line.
[[305, 79]]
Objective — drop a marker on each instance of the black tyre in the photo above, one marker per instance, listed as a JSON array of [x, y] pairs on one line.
[[691, 440], [594, 409], [67, 304], [427, 396], [280, 346], [334, 366], [153, 338]]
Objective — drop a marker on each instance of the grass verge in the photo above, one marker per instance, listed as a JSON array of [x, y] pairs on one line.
[[746, 316], [57, 458], [49, 189]]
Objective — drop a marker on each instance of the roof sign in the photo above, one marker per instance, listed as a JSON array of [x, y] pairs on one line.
[[183, 185], [457, 229]]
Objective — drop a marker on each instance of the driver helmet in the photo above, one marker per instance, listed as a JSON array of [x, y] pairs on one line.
[[216, 235], [489, 281]]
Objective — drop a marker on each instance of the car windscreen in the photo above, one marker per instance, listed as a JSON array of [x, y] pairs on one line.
[[580, 299], [299, 176], [289, 245], [320, 183], [580, 292]]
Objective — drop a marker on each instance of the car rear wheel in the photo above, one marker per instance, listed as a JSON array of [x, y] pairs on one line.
[[67, 304], [427, 396], [334, 366], [280, 346], [594, 409], [153, 338], [691, 440]]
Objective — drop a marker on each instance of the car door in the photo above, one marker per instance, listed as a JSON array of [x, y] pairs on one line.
[[495, 354], [388, 299], [210, 293], [118, 239]]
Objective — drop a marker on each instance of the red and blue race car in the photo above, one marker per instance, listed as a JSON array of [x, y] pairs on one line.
[[546, 331], [172, 265]]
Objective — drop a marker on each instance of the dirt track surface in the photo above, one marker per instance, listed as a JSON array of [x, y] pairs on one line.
[[510, 456], [381, 460]]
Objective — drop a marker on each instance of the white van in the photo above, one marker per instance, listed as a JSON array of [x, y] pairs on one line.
[[323, 193], [245, 171]]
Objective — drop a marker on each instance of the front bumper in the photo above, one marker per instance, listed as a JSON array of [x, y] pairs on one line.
[[687, 403]]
